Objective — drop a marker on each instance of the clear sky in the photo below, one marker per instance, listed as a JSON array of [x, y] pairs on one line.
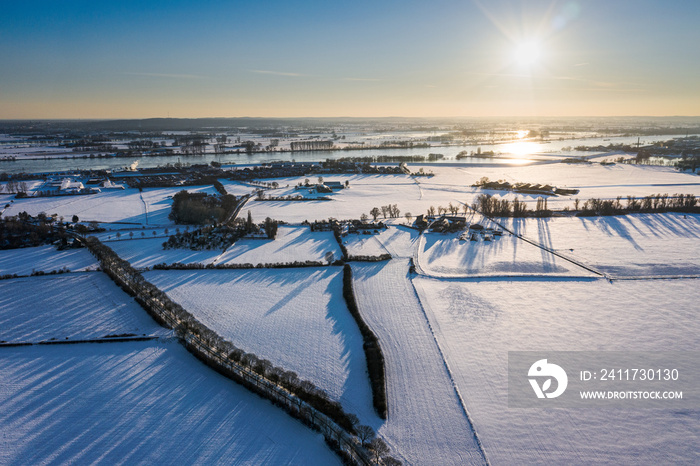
[[139, 59]]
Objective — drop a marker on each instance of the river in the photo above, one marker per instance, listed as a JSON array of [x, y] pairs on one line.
[[517, 152]]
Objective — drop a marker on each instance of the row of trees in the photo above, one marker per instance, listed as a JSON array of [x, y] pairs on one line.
[[373, 352], [493, 207], [311, 145], [653, 203], [246, 265], [15, 187], [451, 209], [194, 333], [390, 210]]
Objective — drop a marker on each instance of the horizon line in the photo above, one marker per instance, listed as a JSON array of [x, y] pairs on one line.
[[341, 117]]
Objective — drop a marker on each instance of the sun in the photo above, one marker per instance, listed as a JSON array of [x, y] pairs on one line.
[[527, 53]]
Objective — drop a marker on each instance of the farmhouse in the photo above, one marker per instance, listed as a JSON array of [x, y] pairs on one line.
[[64, 187], [334, 184]]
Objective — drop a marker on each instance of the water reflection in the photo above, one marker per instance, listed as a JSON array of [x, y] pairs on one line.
[[521, 148]]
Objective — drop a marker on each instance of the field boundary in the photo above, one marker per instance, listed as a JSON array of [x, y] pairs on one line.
[[213, 351], [371, 346], [11, 344], [449, 373]]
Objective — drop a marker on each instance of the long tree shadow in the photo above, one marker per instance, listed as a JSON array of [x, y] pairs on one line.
[[138, 403]]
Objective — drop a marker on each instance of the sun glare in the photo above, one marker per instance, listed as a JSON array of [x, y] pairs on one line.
[[527, 54], [521, 148]]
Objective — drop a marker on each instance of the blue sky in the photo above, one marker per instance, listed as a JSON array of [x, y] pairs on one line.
[[128, 59]]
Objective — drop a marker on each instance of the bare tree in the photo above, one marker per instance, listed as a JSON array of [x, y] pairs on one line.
[[380, 448], [365, 433]]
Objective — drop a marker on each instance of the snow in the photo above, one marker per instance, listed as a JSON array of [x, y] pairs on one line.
[[426, 422], [445, 255], [364, 245], [445, 342], [150, 207], [69, 306], [477, 322], [399, 241], [364, 193], [138, 403], [453, 184], [292, 244], [24, 261], [634, 245], [593, 181], [107, 206], [31, 185], [296, 318], [238, 189], [142, 253]]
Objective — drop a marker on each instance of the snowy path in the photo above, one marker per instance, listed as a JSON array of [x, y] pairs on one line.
[[426, 422]]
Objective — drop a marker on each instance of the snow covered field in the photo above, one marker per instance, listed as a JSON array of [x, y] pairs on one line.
[[24, 261], [426, 422], [453, 184], [593, 181], [445, 255], [364, 245], [69, 306], [445, 343], [148, 252], [622, 246], [399, 241], [296, 318], [292, 244], [237, 188], [477, 322], [364, 193], [151, 207], [138, 403]]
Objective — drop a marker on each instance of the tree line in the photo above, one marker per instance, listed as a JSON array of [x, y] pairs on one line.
[[311, 145], [391, 210], [373, 351], [654, 203], [193, 334]]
